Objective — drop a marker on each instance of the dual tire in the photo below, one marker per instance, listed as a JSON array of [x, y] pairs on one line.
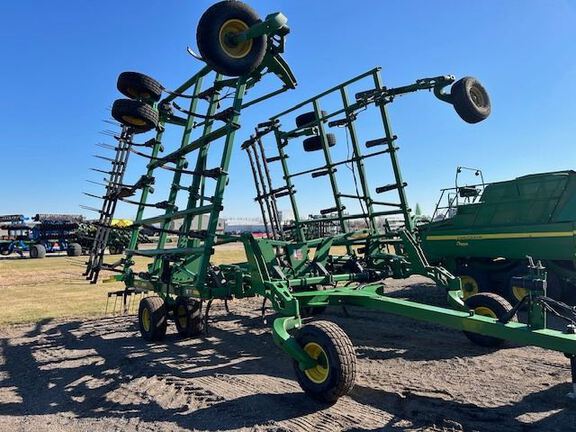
[[153, 317]]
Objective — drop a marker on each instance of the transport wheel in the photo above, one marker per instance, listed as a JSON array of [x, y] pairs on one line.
[[139, 86], [309, 117], [138, 115], [152, 318], [74, 249], [335, 374], [491, 305], [37, 251], [315, 143], [213, 36], [188, 316], [4, 250], [470, 100]]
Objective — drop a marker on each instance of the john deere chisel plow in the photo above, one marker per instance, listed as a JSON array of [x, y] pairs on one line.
[[297, 273]]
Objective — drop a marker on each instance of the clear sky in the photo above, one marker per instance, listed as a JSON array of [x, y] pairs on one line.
[[60, 59]]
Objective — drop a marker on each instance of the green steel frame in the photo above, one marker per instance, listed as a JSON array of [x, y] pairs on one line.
[[300, 272]]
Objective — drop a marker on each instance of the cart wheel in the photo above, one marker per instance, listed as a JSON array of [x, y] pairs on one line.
[[138, 115], [492, 305], [4, 250], [139, 86], [315, 143], [309, 117], [188, 316], [74, 249], [152, 318], [474, 281], [216, 25], [37, 251], [335, 373], [470, 100]]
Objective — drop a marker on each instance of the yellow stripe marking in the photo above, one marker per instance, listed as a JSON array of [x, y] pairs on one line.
[[502, 236]]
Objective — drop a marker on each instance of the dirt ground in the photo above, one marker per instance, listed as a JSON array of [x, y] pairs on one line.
[[99, 375]]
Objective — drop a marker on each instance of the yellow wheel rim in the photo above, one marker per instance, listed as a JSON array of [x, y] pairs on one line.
[[319, 373], [484, 311], [519, 292], [134, 121], [146, 319], [234, 50], [182, 316], [469, 286]]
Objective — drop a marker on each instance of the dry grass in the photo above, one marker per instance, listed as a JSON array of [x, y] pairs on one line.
[[53, 287]]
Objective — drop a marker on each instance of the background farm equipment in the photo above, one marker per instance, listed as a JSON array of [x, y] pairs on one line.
[[118, 239], [17, 235], [55, 233], [298, 275], [483, 233]]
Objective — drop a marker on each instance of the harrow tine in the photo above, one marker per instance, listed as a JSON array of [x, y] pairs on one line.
[[106, 146], [112, 122], [92, 195], [95, 182], [90, 208], [101, 171]]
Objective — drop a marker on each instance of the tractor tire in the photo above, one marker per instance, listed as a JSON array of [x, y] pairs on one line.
[[222, 55], [492, 305], [335, 374], [135, 114], [74, 249], [315, 143], [4, 250], [474, 280], [309, 117], [470, 100], [139, 86], [37, 251], [152, 318], [188, 317]]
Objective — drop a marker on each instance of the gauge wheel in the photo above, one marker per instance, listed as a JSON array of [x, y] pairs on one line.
[[315, 143], [215, 33], [188, 316], [470, 100], [309, 117], [152, 318], [138, 115], [139, 86], [335, 373], [490, 305]]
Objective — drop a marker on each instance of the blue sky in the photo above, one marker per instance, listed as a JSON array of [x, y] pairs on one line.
[[60, 60]]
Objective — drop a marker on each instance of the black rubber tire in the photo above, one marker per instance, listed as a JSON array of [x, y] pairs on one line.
[[4, 250], [340, 356], [138, 115], [470, 100], [495, 303], [115, 250], [315, 143], [158, 322], [37, 251], [309, 117], [210, 47], [139, 86], [478, 277], [188, 316], [74, 249]]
